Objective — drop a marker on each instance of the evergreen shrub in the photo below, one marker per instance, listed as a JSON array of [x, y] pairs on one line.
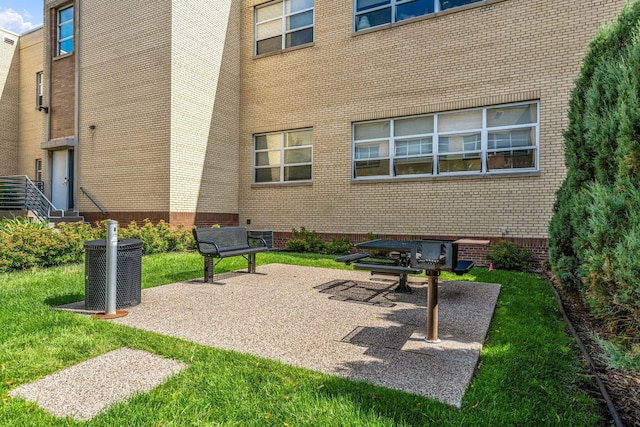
[[594, 235], [505, 255]]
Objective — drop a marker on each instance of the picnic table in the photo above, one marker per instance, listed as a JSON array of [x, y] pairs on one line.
[[404, 257]]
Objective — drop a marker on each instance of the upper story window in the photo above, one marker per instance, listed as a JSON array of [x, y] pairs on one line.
[[38, 174], [39, 90], [487, 140], [283, 24], [283, 156], [372, 13], [65, 31]]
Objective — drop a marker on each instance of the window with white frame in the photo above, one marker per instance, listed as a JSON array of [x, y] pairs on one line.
[[283, 24], [283, 156], [39, 90], [494, 139], [373, 13], [65, 31]]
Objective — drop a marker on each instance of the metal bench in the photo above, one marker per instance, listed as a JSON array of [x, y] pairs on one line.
[[218, 243]]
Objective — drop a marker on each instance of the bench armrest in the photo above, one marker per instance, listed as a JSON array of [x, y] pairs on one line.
[[208, 242], [257, 239]]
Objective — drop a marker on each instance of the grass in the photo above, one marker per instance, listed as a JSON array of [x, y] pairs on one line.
[[529, 373]]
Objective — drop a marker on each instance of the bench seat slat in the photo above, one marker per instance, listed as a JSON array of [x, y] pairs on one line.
[[348, 259], [386, 268]]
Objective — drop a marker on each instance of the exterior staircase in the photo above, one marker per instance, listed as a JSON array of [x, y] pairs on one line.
[[19, 196]]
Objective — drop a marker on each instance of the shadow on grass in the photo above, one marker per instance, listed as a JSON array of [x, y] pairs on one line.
[[58, 300]]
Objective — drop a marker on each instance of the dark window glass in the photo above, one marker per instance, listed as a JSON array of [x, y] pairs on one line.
[[370, 4], [269, 45], [373, 19], [268, 175], [448, 4], [413, 9], [300, 37]]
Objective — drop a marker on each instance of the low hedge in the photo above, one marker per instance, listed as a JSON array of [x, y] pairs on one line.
[[24, 244]]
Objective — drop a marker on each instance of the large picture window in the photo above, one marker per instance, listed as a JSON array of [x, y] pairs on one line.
[[373, 13], [283, 24], [283, 156], [495, 139], [65, 31]]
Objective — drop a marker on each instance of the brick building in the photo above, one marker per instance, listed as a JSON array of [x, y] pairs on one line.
[[425, 118]]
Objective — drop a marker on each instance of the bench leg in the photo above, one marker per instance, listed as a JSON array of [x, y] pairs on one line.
[[208, 269], [252, 263]]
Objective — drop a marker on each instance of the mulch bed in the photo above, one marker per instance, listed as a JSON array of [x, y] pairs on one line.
[[623, 386]]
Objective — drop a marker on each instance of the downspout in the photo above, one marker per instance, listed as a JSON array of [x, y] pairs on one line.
[[48, 58], [76, 119]]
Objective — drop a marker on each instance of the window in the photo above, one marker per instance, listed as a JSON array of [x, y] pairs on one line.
[[485, 140], [65, 31], [39, 90], [283, 24], [38, 175], [372, 13], [283, 156]]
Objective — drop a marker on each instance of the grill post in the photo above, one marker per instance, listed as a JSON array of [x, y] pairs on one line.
[[432, 306]]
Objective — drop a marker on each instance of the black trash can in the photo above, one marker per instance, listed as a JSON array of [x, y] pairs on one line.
[[128, 275]]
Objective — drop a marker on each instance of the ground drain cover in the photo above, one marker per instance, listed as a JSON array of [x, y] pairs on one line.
[[372, 293]]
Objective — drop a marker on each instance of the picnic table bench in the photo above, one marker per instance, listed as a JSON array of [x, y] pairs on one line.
[[382, 265], [225, 242]]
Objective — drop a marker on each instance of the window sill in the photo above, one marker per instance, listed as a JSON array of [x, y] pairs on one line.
[[66, 55], [289, 49], [282, 184], [529, 174]]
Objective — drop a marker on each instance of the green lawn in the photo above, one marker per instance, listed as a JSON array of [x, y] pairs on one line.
[[529, 372]]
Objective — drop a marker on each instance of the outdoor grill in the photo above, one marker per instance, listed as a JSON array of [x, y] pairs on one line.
[[438, 255], [412, 257]]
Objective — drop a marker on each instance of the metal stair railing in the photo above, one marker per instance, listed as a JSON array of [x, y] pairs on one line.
[[102, 211], [18, 192], [37, 202]]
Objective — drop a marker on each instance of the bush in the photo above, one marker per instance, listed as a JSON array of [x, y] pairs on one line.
[[338, 246], [159, 238], [25, 244], [305, 241], [506, 255]]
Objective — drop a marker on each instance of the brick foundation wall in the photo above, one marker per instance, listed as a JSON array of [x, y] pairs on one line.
[[476, 253]]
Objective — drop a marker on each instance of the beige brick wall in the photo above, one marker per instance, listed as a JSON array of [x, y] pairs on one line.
[[124, 63], [205, 106], [32, 121], [506, 51], [163, 94], [9, 100]]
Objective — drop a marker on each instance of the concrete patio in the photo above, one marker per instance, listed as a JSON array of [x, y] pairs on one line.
[[339, 322]]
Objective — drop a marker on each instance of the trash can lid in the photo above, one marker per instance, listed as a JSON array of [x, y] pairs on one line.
[[122, 244]]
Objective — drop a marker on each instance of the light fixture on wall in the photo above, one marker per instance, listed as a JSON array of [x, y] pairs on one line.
[[92, 127], [45, 109]]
